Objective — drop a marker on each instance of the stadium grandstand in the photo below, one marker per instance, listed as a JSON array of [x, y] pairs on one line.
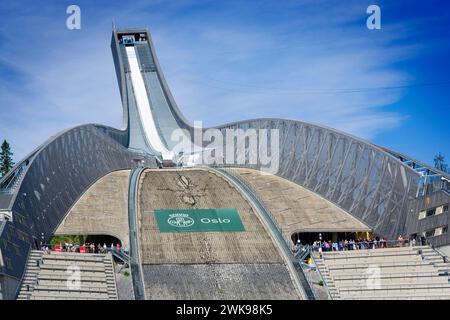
[[338, 217]]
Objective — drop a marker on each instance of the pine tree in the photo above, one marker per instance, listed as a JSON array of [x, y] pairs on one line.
[[6, 161], [439, 162]]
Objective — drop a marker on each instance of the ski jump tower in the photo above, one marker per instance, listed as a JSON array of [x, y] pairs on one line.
[[150, 112]]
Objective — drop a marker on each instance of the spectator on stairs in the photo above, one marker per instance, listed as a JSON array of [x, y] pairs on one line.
[[400, 240]]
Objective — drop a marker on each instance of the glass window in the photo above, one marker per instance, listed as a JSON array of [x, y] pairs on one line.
[[431, 212], [438, 231], [429, 233], [445, 208], [422, 215]]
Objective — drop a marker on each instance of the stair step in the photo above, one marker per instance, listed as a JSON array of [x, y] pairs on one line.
[[97, 274]]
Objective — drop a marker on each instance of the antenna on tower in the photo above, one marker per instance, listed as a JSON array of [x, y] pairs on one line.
[[113, 24]]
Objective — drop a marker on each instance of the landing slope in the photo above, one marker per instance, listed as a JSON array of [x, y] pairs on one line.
[[206, 265]]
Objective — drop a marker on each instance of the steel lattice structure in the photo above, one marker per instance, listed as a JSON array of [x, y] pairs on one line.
[[51, 180], [357, 176], [381, 188]]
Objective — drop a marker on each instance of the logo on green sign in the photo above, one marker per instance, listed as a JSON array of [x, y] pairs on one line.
[[180, 220], [199, 220]]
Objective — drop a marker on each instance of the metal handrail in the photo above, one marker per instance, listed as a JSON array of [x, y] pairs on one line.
[[16, 179], [405, 243], [302, 252], [428, 242], [116, 290], [135, 263], [305, 253], [249, 188], [121, 255], [2, 225], [446, 191], [310, 281], [324, 282], [19, 287], [443, 256], [288, 244]]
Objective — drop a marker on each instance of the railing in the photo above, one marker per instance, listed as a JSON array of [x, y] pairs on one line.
[[2, 225], [304, 281], [135, 261], [121, 255], [322, 278], [362, 245], [430, 183], [11, 184], [19, 287], [75, 248], [444, 258], [447, 191], [431, 179], [307, 273], [301, 254], [249, 189], [368, 245]]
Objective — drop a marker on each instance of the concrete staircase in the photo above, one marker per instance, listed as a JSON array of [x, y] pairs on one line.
[[68, 276], [31, 274], [437, 260], [394, 273], [328, 280]]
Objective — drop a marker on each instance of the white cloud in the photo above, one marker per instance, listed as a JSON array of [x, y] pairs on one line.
[[220, 68]]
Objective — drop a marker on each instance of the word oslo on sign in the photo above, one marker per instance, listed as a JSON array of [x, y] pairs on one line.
[[198, 220]]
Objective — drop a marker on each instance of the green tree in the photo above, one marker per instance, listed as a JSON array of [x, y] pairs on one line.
[[61, 239], [439, 162], [6, 161]]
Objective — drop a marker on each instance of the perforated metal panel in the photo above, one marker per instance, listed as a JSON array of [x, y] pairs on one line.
[[360, 178], [61, 170]]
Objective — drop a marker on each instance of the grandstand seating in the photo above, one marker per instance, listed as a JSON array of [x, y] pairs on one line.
[[48, 276], [393, 273]]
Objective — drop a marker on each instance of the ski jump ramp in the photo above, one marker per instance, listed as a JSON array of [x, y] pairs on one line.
[[143, 106]]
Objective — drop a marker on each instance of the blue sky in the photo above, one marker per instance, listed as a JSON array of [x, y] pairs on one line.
[[309, 60]]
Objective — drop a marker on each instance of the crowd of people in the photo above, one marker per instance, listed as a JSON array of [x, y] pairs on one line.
[[352, 244], [86, 247], [344, 245]]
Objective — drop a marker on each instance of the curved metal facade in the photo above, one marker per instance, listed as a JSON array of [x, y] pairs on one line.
[[57, 175], [357, 176]]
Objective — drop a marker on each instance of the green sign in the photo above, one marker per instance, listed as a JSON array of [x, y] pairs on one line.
[[199, 220]]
